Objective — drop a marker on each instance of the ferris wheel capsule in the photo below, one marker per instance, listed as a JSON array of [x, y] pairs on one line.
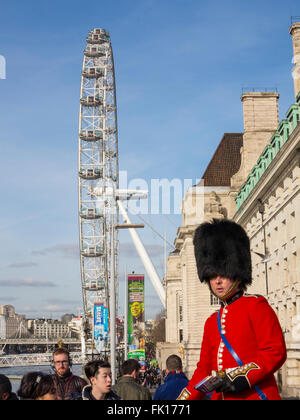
[[92, 251], [91, 135], [93, 285], [93, 72], [99, 31], [96, 38], [91, 213], [90, 173], [95, 51], [92, 100]]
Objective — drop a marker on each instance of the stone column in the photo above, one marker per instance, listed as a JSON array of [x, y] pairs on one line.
[[261, 119]]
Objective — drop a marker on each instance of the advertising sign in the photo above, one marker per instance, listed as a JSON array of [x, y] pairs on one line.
[[105, 322], [136, 312], [99, 332], [137, 354]]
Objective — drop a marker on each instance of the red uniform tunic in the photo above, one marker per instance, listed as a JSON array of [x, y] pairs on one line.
[[253, 330]]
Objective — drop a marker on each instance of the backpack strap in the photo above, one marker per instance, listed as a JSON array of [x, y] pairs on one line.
[[77, 384]]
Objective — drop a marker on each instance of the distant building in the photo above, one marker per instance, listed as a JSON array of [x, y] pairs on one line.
[[66, 318], [51, 329], [14, 324], [75, 326], [29, 324], [2, 327]]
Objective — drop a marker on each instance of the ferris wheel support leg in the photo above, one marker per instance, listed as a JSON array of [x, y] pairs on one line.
[[145, 258]]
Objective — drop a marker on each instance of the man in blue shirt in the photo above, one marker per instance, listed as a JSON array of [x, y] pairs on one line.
[[175, 380]]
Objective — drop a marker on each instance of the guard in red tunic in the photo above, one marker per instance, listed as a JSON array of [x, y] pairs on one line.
[[243, 344]]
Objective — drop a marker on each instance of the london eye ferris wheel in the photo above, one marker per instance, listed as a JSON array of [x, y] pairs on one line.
[[99, 196], [98, 173]]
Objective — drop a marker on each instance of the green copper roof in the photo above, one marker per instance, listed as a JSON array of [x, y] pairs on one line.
[[279, 138]]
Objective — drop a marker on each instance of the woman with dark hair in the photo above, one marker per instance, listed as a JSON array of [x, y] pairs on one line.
[[6, 393], [37, 386]]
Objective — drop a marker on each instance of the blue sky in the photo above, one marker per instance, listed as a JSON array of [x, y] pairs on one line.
[[180, 70]]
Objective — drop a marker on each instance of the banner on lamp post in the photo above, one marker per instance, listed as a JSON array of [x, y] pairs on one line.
[[136, 312], [99, 333]]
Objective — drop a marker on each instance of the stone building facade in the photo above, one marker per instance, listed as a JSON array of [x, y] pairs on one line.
[[2, 327], [14, 323], [254, 179], [51, 329]]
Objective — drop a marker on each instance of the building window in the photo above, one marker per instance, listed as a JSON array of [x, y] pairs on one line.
[[180, 336], [179, 308]]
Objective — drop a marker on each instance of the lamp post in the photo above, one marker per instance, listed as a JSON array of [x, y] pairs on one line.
[[261, 209], [126, 317]]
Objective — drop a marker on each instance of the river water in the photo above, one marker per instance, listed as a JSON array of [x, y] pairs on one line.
[[15, 374]]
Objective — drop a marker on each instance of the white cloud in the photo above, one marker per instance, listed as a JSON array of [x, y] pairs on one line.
[[26, 283], [23, 264], [54, 308], [55, 301], [63, 250], [5, 299], [127, 249]]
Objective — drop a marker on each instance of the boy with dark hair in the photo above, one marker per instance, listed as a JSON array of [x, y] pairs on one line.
[[98, 373], [127, 387], [175, 380]]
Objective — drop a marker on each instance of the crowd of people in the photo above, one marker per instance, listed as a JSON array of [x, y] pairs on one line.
[[97, 384], [151, 377]]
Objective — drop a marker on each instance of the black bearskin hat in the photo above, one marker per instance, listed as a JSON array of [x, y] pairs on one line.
[[222, 248]]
